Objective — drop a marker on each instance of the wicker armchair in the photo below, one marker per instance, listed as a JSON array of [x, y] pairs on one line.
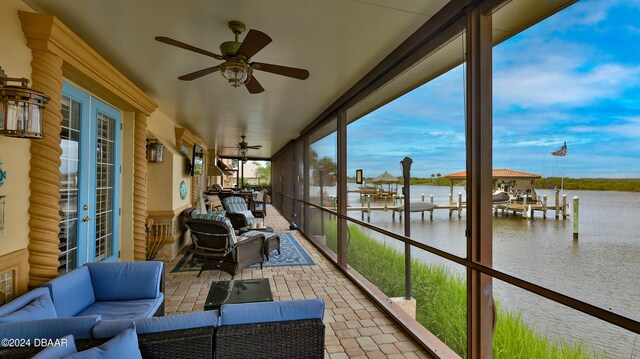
[[238, 211], [215, 242]]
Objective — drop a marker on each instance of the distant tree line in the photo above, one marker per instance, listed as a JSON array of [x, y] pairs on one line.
[[591, 184]]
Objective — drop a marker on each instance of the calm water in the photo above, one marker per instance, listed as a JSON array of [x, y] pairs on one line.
[[601, 268]]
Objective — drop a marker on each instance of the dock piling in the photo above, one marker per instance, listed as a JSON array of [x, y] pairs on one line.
[[459, 205], [557, 204], [544, 206], [423, 197], [431, 211], [564, 206], [368, 208], [576, 202]]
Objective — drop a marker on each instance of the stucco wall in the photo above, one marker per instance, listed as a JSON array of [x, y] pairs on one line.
[[15, 59], [164, 178]]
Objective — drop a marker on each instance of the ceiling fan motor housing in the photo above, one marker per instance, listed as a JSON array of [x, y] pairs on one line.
[[229, 48]]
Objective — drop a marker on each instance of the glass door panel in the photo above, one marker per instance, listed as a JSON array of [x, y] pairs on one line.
[[89, 175], [69, 172], [106, 200]]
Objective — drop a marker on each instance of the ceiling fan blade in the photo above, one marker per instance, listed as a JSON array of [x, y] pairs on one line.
[[300, 74], [182, 45], [253, 42], [253, 86], [255, 147], [194, 75]]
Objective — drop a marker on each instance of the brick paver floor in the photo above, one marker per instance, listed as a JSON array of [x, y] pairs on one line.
[[355, 327]]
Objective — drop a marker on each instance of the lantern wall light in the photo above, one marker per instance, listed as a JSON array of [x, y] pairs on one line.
[[154, 150], [20, 108]]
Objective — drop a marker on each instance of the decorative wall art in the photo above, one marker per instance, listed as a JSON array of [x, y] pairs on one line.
[[183, 190]]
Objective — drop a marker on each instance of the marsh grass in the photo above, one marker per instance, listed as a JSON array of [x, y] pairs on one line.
[[441, 302]]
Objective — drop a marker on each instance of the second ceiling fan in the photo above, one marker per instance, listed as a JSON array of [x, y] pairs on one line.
[[237, 68]]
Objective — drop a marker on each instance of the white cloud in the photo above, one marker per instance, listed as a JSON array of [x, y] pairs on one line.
[[552, 82]]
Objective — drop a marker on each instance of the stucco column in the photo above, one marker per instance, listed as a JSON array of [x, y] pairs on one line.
[[195, 190], [140, 188], [44, 208]]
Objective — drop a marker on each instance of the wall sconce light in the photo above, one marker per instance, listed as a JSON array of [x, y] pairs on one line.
[[154, 150], [20, 108]]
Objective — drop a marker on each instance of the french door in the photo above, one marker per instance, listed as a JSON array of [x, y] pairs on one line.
[[90, 176]]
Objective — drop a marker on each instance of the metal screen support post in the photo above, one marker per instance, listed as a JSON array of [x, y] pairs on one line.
[[406, 192]]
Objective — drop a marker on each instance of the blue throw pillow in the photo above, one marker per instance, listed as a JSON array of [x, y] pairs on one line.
[[39, 308], [123, 345], [248, 214], [61, 347]]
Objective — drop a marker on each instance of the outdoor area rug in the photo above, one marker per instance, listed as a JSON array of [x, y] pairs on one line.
[[291, 254]]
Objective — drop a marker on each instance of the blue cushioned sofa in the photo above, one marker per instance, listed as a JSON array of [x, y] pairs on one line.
[[127, 290], [285, 329]]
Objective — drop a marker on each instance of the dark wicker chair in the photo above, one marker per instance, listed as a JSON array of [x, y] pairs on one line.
[[216, 244], [236, 208]]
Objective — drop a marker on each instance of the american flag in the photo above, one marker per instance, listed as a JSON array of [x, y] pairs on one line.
[[561, 152]]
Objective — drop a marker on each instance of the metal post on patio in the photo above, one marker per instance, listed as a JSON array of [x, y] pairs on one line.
[[406, 192], [321, 173]]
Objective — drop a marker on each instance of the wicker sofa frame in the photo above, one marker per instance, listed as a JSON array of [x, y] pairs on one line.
[[286, 339]]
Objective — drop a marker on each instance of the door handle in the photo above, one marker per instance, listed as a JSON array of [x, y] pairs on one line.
[[86, 219]]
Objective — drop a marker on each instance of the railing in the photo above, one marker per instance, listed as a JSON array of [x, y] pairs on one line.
[[587, 308]]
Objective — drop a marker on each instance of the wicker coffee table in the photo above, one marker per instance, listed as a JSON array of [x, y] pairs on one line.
[[237, 291]]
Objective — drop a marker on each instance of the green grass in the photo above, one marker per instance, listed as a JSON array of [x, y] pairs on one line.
[[441, 302]]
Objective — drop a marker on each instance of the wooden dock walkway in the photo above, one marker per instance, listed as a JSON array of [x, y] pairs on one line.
[[421, 207], [523, 209]]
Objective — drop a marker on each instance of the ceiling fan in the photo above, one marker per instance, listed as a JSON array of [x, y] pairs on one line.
[[243, 146], [237, 68]]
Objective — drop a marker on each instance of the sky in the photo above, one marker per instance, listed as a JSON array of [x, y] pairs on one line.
[[574, 78]]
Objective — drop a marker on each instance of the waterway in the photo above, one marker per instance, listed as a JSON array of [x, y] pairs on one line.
[[602, 267]]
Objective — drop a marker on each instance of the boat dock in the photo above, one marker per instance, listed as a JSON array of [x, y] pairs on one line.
[[524, 209]]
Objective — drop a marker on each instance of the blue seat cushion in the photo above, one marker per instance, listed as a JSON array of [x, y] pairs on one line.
[[209, 216], [234, 204], [40, 306], [123, 345], [125, 280], [217, 213], [79, 327], [110, 328], [127, 309], [61, 347], [264, 312], [71, 292]]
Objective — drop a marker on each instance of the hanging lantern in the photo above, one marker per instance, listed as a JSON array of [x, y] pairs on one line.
[[154, 150], [20, 109]]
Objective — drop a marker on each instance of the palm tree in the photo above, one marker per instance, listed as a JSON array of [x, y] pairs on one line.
[[263, 173]]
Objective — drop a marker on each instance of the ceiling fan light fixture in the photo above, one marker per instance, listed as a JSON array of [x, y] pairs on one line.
[[236, 72]]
